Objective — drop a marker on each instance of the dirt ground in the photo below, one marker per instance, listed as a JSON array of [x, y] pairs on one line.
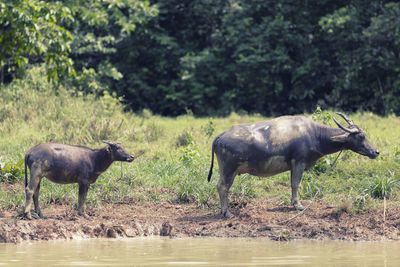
[[259, 218]]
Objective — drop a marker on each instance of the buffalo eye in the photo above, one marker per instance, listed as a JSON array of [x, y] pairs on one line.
[[361, 137]]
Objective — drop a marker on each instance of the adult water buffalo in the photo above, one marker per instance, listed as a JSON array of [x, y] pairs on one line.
[[285, 143], [65, 164]]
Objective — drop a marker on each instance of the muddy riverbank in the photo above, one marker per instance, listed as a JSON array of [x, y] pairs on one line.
[[259, 218]]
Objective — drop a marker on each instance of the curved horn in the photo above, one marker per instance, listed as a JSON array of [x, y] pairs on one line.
[[108, 142], [354, 130], [345, 118]]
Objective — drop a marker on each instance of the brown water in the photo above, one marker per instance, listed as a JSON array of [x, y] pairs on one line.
[[207, 251]]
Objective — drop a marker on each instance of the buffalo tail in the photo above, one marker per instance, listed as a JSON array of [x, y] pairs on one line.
[[26, 171], [212, 162]]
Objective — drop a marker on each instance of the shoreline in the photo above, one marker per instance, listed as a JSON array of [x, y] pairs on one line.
[[258, 219]]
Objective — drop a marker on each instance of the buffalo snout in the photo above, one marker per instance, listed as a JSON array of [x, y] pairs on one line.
[[119, 153], [369, 150], [130, 158], [374, 155], [123, 156]]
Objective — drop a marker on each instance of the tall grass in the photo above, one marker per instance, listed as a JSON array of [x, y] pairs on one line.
[[173, 154]]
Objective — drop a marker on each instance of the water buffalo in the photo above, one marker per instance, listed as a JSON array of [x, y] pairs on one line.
[[65, 164], [285, 143]]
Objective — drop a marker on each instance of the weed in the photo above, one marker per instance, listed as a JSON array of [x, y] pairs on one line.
[[396, 154], [284, 198], [5, 111], [361, 202], [51, 193], [324, 164], [208, 129], [189, 154], [192, 187], [284, 236], [184, 139], [109, 103], [310, 186], [11, 173], [153, 132], [322, 116], [346, 206], [243, 189], [382, 187], [11, 199]]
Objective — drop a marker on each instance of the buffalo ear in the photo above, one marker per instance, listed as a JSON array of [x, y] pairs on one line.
[[340, 138], [110, 145]]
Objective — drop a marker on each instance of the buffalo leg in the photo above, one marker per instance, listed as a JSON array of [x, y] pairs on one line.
[[83, 189], [29, 191], [295, 179], [225, 182], [36, 201]]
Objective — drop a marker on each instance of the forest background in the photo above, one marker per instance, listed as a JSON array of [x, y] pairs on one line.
[[211, 57]]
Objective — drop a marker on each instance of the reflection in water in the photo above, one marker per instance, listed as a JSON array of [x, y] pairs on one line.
[[206, 251]]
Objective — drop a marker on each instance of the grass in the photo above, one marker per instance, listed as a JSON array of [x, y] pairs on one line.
[[382, 187], [173, 154]]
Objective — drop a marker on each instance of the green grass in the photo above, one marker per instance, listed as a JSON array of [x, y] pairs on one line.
[[173, 154]]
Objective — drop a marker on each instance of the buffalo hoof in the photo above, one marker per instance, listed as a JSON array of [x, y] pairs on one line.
[[38, 215], [227, 214], [84, 215], [26, 216], [299, 207]]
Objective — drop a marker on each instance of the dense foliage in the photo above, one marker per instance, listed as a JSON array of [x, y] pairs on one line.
[[214, 57], [30, 32]]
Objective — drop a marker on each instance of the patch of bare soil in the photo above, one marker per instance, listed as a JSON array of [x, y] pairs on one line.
[[259, 218]]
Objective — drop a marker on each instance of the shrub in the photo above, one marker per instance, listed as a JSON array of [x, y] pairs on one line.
[[382, 187], [322, 116], [208, 129], [184, 139], [189, 154], [11, 173]]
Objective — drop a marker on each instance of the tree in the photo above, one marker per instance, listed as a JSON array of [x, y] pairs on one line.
[[30, 32], [381, 59], [98, 29], [265, 57], [151, 59], [362, 45]]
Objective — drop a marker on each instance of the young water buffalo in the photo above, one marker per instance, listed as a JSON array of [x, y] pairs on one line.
[[65, 164], [286, 143]]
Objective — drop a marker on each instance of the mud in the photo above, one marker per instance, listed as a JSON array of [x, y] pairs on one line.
[[259, 218]]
